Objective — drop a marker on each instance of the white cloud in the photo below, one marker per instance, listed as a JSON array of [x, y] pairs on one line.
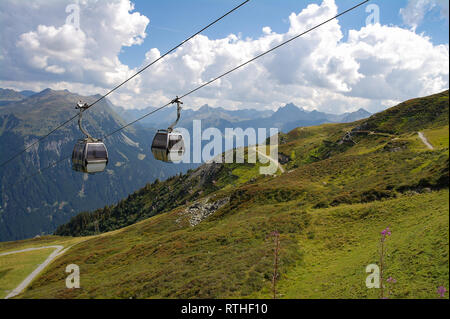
[[47, 48], [55, 69], [414, 13], [396, 63], [267, 30], [374, 68]]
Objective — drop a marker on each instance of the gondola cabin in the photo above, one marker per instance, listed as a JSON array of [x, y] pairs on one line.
[[89, 157], [168, 146]]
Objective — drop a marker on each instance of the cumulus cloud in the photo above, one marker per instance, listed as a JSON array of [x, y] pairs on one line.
[[396, 63], [374, 67], [41, 45], [414, 13]]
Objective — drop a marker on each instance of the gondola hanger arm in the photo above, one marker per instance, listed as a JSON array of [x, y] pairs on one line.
[[178, 102], [82, 108]]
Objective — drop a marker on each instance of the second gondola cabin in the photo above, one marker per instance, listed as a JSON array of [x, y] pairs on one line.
[[168, 146]]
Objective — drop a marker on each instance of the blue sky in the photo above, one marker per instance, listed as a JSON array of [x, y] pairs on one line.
[[340, 67], [171, 21]]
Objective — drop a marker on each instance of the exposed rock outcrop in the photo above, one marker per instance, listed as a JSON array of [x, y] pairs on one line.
[[283, 159], [200, 210]]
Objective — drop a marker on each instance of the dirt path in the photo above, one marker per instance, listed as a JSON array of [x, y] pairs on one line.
[[425, 141], [35, 272], [271, 159]]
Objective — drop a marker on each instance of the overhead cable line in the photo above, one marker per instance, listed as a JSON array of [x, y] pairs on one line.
[[118, 86], [220, 76], [239, 66]]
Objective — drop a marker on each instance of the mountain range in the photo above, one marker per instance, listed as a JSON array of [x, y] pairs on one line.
[[8, 95], [285, 118], [56, 195], [37, 205]]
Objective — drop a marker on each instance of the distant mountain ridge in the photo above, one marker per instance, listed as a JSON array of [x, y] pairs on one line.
[[9, 95], [284, 118]]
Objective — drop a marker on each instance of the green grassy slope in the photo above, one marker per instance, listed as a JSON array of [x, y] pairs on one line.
[[342, 241], [323, 254], [329, 207], [412, 115], [49, 240], [15, 268]]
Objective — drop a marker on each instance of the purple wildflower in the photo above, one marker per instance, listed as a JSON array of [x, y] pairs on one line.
[[386, 232], [391, 280], [441, 291]]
